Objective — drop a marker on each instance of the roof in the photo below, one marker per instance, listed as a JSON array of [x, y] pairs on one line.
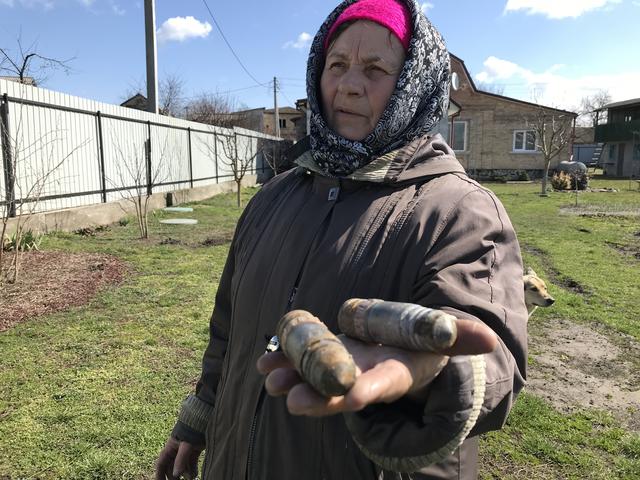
[[288, 110], [624, 103], [137, 100], [25, 80], [502, 97]]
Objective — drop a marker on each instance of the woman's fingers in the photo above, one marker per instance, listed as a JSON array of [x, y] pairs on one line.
[[473, 338], [304, 400], [281, 380], [384, 383], [272, 360]]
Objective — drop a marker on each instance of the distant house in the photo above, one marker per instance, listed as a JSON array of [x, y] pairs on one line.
[[620, 134], [25, 80], [490, 134], [138, 102]]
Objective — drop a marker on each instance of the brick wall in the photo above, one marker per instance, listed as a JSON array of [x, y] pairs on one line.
[[490, 129]]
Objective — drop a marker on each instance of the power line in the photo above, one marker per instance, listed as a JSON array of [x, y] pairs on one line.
[[285, 96], [229, 45], [226, 91]]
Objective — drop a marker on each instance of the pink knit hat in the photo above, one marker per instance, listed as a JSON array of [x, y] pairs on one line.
[[391, 14]]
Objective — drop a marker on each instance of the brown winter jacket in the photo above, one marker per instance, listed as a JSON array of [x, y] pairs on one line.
[[411, 227]]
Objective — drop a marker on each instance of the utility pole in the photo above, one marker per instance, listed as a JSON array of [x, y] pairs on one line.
[[275, 106], [152, 55]]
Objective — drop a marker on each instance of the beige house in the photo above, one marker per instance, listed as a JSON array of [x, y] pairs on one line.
[[490, 134], [292, 121]]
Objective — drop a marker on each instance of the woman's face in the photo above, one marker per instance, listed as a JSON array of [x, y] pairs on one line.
[[359, 76]]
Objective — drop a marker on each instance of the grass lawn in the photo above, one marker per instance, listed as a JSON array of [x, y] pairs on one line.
[[92, 392]]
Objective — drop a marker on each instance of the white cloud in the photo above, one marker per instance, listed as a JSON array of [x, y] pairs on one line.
[[426, 6], [117, 10], [551, 87], [636, 3], [182, 28], [87, 3], [303, 41], [557, 8]]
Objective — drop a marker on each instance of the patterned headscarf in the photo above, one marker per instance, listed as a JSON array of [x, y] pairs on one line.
[[420, 100]]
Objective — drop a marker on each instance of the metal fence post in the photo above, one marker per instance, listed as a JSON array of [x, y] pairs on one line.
[[7, 160], [190, 158], [215, 153], [103, 177], [149, 179]]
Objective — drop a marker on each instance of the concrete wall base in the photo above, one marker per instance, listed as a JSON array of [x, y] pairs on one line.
[[70, 219]]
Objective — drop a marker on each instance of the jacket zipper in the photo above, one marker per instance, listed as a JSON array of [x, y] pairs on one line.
[[254, 422]]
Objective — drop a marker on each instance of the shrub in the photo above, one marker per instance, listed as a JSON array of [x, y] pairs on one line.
[[26, 242], [570, 181], [523, 176], [561, 181]]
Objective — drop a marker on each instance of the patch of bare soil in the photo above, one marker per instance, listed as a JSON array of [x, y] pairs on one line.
[[576, 366], [53, 281], [624, 249]]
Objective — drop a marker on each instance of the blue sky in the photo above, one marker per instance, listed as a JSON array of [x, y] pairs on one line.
[[561, 49]]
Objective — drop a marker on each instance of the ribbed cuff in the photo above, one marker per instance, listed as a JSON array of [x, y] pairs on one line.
[[195, 413], [187, 434]]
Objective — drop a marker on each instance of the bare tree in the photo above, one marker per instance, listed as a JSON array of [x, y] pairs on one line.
[[496, 88], [31, 172], [238, 156], [171, 95], [553, 132], [171, 101], [591, 105], [28, 65], [217, 109], [136, 174]]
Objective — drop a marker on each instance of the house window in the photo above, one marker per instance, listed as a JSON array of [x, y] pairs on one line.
[[612, 151], [458, 136], [524, 141], [636, 151], [283, 123]]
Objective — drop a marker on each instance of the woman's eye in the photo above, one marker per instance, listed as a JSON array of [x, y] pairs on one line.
[[375, 69]]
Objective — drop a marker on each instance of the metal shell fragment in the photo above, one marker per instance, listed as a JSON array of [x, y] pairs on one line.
[[316, 353], [403, 325]]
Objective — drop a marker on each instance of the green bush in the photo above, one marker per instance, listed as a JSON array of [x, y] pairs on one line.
[[25, 242]]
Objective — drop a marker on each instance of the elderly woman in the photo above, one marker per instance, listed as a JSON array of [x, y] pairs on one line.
[[377, 208]]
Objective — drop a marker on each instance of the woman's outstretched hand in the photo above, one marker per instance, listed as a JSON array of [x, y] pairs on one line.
[[384, 374]]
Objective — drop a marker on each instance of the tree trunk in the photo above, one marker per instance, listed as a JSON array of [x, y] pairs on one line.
[[238, 182], [4, 231], [543, 193]]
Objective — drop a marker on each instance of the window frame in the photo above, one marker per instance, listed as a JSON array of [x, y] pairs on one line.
[[524, 131], [466, 135]]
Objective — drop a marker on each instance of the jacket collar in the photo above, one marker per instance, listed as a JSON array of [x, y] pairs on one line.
[[424, 157]]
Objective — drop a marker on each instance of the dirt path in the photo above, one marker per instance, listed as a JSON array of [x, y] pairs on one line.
[[576, 366]]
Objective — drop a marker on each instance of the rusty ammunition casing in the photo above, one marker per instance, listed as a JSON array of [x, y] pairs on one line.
[[316, 353], [403, 325]]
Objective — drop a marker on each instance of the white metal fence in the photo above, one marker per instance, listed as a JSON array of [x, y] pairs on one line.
[[60, 151]]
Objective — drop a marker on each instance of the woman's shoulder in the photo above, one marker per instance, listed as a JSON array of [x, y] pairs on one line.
[[454, 196]]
